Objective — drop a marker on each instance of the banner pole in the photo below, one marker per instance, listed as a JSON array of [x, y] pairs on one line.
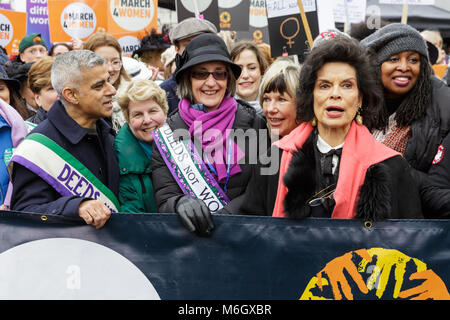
[[405, 13], [197, 13], [346, 24], [305, 23]]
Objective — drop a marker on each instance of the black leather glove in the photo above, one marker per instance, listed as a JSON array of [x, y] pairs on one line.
[[195, 215]]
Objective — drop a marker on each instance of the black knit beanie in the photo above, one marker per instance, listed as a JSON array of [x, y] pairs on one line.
[[395, 38]]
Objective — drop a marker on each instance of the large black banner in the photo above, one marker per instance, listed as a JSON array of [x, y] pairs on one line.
[[152, 256]]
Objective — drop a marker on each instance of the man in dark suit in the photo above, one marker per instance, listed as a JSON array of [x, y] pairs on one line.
[[67, 165]]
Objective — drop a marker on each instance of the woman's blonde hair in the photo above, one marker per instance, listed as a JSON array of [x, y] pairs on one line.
[[141, 90], [40, 73], [282, 76]]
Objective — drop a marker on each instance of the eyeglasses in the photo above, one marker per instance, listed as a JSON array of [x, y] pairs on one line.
[[115, 64], [203, 75], [320, 197]]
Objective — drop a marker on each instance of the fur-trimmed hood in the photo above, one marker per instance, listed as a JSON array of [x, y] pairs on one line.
[[375, 195]]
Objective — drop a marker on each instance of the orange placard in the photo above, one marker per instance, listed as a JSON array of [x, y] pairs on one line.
[[132, 18], [76, 19], [439, 69], [13, 27]]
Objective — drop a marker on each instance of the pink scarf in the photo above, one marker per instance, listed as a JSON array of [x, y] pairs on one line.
[[360, 151], [213, 129]]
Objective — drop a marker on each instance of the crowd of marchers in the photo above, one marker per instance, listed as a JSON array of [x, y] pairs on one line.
[[197, 123]]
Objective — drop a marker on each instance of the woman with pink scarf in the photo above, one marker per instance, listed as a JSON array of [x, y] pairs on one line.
[[211, 123], [330, 166]]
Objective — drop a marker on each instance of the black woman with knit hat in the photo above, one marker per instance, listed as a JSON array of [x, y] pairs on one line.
[[205, 170], [417, 111]]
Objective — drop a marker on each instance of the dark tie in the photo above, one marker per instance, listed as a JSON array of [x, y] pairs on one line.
[[328, 160]]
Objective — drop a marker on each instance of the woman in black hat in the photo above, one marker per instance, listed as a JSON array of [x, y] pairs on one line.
[[212, 178], [416, 111], [9, 92], [150, 51]]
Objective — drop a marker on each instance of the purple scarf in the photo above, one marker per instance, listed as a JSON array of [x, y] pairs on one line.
[[213, 129]]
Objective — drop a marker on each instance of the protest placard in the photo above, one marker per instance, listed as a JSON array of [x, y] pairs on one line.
[[207, 9], [234, 15], [13, 27], [290, 31], [76, 19], [37, 19]]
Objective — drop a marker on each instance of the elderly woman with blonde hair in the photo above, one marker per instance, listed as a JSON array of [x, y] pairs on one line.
[[144, 106]]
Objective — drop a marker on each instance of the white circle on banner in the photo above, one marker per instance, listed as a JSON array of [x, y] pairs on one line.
[[130, 17], [6, 30], [129, 44], [78, 20], [258, 16], [202, 5], [229, 3], [70, 269]]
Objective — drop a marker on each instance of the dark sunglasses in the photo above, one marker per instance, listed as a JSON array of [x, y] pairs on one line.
[[203, 75]]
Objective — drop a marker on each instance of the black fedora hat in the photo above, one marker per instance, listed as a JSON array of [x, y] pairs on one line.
[[433, 52], [154, 41], [204, 48]]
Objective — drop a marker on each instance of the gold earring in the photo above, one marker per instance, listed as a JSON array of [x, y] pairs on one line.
[[314, 122], [359, 118]]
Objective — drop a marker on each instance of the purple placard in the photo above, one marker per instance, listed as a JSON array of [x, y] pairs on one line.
[[6, 6], [37, 19]]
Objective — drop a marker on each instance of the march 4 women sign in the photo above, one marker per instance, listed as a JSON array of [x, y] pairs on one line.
[[12, 30], [128, 20], [76, 19]]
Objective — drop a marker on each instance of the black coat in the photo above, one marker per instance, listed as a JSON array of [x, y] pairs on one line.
[[170, 87], [436, 186], [39, 116], [167, 191], [32, 194], [388, 191], [429, 131]]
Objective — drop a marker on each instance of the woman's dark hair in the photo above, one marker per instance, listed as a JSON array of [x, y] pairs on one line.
[[61, 44], [416, 101], [18, 103], [346, 50], [252, 46]]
